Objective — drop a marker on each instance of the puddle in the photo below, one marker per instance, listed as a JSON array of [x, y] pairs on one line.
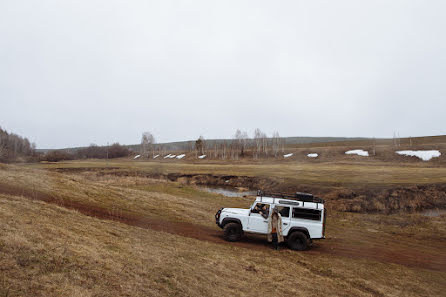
[[433, 212], [229, 192]]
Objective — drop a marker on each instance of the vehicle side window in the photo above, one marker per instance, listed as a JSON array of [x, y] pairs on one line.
[[261, 208], [284, 211], [306, 213]]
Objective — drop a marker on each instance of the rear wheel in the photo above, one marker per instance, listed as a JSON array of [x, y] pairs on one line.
[[232, 232], [298, 241]]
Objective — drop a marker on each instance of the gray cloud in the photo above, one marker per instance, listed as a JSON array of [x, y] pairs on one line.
[[77, 72]]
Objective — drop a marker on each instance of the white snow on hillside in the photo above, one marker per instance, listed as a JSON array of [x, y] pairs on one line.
[[168, 156], [202, 157], [358, 152], [423, 155], [287, 155], [156, 156], [137, 156], [312, 155], [172, 156], [181, 156]]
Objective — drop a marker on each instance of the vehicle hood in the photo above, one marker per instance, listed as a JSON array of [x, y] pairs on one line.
[[239, 211]]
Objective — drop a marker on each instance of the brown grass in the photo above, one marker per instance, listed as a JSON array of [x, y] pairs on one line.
[[46, 250], [49, 251], [358, 187]]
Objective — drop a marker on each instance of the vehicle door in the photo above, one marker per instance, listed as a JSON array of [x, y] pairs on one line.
[[285, 213], [309, 218], [258, 218]]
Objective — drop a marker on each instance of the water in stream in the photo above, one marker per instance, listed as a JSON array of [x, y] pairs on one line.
[[229, 192], [433, 212]]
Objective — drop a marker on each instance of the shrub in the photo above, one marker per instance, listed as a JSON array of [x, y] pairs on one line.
[[56, 156]]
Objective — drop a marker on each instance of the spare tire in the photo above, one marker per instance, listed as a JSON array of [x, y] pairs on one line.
[[298, 241], [232, 232]]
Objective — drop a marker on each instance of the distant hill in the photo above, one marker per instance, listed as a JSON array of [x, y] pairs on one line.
[[186, 145]]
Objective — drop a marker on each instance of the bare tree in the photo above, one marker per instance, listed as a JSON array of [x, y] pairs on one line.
[[242, 141], [396, 139], [200, 145], [233, 149], [161, 149], [264, 138], [276, 143], [258, 142], [238, 140], [223, 150], [147, 144], [215, 149]]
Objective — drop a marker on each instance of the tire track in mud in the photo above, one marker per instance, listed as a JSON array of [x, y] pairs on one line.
[[411, 258], [177, 228]]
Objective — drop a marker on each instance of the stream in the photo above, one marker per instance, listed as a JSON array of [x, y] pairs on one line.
[[229, 192], [433, 212]]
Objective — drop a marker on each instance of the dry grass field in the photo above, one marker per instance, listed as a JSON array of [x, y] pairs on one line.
[[125, 228], [357, 184]]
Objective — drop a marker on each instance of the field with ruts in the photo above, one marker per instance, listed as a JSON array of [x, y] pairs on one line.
[[147, 229]]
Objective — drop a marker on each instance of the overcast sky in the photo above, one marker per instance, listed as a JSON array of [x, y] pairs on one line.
[[79, 72]]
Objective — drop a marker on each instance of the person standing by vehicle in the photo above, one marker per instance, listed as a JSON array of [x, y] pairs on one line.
[[275, 234]]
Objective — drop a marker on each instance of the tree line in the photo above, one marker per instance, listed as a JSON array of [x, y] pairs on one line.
[[92, 152], [240, 146], [14, 147]]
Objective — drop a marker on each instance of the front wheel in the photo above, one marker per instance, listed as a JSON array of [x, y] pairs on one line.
[[298, 241], [232, 232]]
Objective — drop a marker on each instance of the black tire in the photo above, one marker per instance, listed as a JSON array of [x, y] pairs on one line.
[[298, 241], [232, 232]]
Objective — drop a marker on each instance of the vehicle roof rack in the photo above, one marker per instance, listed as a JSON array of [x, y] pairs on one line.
[[298, 196]]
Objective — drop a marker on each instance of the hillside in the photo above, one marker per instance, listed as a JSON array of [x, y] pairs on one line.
[[86, 233], [187, 144]]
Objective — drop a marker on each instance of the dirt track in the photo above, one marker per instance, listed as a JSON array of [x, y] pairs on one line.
[[407, 256]]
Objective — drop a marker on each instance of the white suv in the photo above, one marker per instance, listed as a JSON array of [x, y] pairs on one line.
[[303, 218]]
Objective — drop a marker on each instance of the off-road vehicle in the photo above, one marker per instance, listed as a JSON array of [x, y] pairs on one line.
[[303, 218]]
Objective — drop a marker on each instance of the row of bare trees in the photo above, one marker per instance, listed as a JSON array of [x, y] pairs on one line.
[[240, 146], [259, 146]]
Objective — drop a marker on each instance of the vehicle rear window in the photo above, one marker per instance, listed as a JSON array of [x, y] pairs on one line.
[[307, 214]]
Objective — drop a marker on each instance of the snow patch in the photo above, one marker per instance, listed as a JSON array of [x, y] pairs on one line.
[[137, 156], [312, 155], [172, 156], [202, 157], [358, 152], [423, 155], [181, 156], [168, 156], [287, 155], [156, 156]]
